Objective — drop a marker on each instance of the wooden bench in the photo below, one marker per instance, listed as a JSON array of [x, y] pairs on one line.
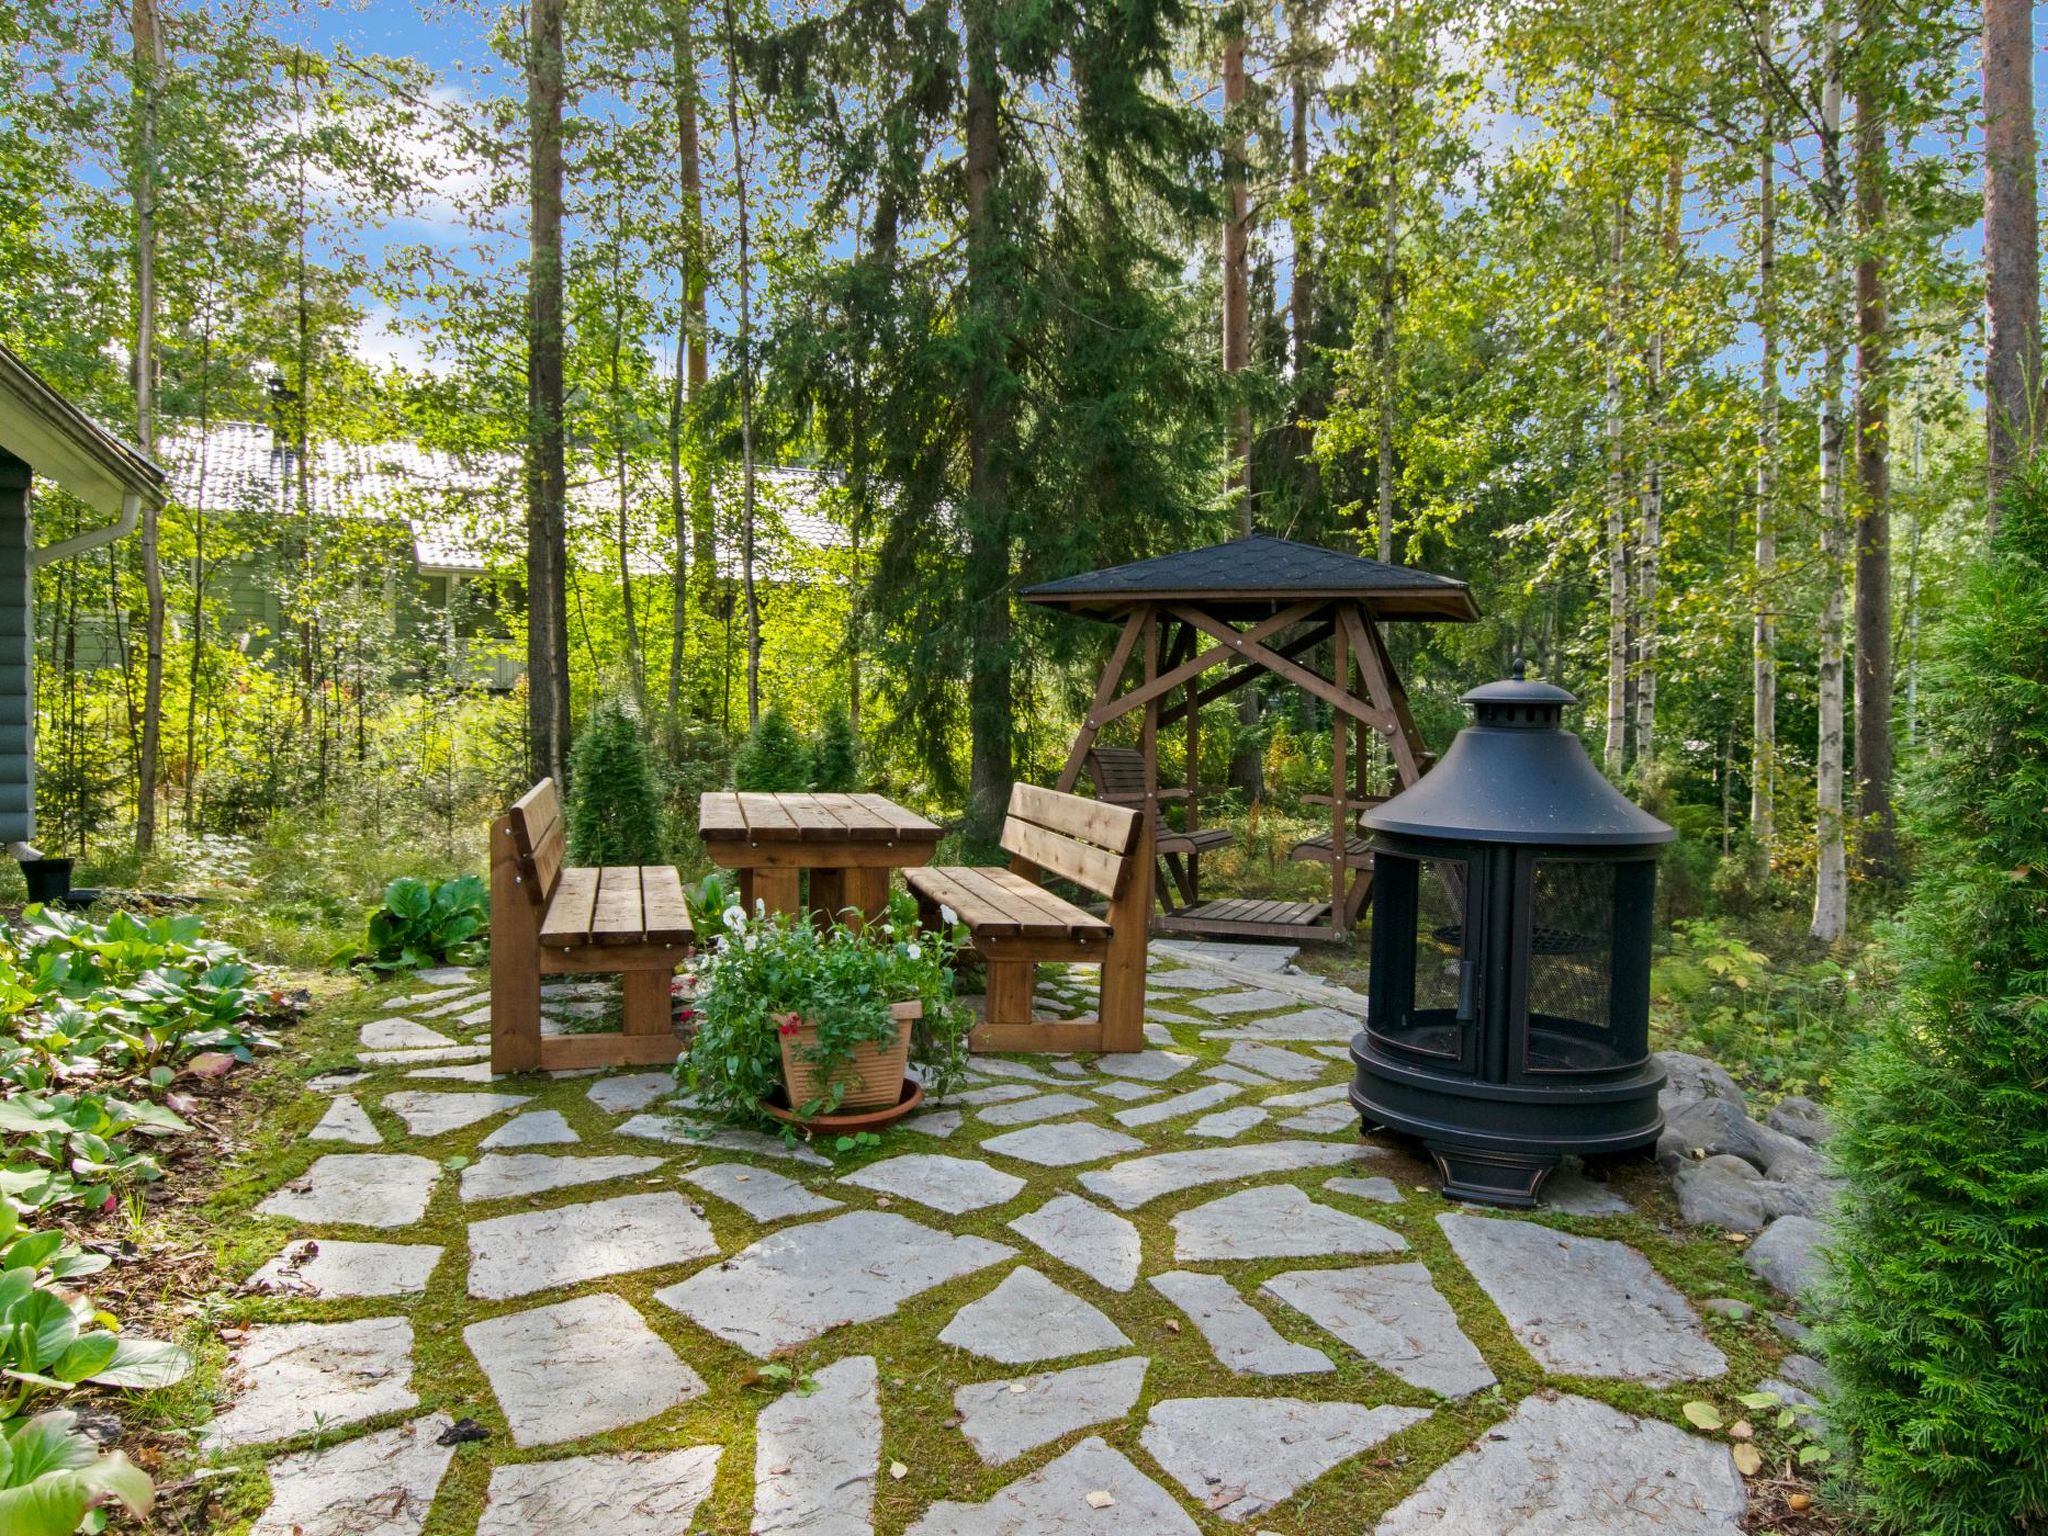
[[550, 921], [1015, 922]]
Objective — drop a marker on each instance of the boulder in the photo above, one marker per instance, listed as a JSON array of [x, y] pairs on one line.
[[1689, 1079], [1720, 1192], [1787, 1255], [1711, 1127], [1800, 1117], [1805, 1193]]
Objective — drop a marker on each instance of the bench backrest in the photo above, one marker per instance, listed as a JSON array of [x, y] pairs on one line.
[[1086, 841], [1119, 774], [540, 834]]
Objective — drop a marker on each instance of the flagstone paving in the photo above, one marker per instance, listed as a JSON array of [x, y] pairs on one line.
[[743, 1333]]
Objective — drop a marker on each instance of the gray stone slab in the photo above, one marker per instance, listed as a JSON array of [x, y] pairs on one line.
[[1276, 1221], [795, 1284], [632, 1092], [1787, 1256], [1100, 1244], [467, 1072], [1247, 1000], [1584, 1306], [461, 1004], [1159, 1034], [441, 995], [1236, 1331], [954, 1185], [542, 1128], [298, 1377], [1309, 1025], [1192, 1102], [346, 1121], [1055, 1501], [1571, 1192], [532, 1251], [577, 1368], [1130, 1185], [1392, 1315], [382, 1484], [1002, 1066], [1027, 1318], [1145, 1066], [358, 1189], [724, 1138], [1224, 1072], [1324, 1120], [336, 1082], [996, 1093], [1125, 1091], [1242, 1455], [1003, 1420], [816, 1456], [444, 976], [423, 1057], [427, 1113], [1047, 1106], [1226, 1123], [1067, 1068], [939, 1122], [1275, 1061], [1566, 1466], [762, 1193], [1188, 978], [399, 1035], [622, 1493], [1382, 1190], [503, 1175], [1309, 1098], [1251, 957], [328, 1269], [1064, 1145]]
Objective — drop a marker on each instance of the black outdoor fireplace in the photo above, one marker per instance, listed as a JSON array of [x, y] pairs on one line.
[[1508, 1019]]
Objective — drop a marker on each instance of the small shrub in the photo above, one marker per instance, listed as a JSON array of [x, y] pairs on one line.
[[52, 1478], [1938, 1343], [773, 757], [423, 923], [614, 807], [835, 758]]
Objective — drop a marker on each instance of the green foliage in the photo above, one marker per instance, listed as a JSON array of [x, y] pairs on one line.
[[1780, 1025], [835, 755], [614, 807], [760, 970], [53, 1480], [425, 923], [1939, 1338], [774, 756]]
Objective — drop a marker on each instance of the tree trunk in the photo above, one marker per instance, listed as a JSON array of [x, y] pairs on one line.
[[1389, 278], [148, 87], [2012, 261], [547, 638], [1878, 846], [1301, 305], [1831, 871], [1247, 765], [689, 348], [991, 765], [636, 663], [1617, 502], [1651, 549], [1763, 757], [746, 361]]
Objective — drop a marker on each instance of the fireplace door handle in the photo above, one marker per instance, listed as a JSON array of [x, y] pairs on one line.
[[1468, 984]]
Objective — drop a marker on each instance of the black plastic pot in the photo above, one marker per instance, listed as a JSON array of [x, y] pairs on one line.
[[49, 880]]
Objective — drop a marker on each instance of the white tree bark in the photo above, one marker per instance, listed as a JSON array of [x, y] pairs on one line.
[[1831, 864], [1617, 506], [1763, 756]]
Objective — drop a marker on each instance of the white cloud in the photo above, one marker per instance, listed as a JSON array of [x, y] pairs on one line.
[[386, 339]]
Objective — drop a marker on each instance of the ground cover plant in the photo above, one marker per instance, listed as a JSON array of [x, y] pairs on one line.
[[424, 923]]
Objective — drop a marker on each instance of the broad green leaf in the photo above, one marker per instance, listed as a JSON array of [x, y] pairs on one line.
[[1702, 1415], [144, 1363]]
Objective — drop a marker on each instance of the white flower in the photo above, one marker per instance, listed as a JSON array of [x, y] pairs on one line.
[[734, 916], [760, 906], [916, 952], [947, 915], [753, 941]]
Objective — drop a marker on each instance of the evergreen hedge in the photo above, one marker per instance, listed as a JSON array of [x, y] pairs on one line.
[[773, 757], [1938, 1334], [835, 757], [614, 806]]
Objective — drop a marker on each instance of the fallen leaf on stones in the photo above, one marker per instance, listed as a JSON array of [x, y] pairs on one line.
[[741, 1178], [1173, 1325], [1101, 1498], [780, 1469], [211, 1064], [1020, 1386], [884, 1201], [1798, 1501], [1748, 1460], [1702, 1415], [460, 1431], [898, 1471], [1741, 1429]]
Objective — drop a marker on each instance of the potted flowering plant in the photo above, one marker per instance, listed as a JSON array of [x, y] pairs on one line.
[[800, 1021]]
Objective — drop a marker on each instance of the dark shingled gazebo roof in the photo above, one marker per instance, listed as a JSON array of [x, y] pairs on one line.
[[1259, 575]]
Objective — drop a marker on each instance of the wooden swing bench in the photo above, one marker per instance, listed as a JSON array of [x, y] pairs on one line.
[[547, 920], [1015, 923]]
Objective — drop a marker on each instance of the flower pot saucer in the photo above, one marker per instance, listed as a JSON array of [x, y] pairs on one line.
[[856, 1120]]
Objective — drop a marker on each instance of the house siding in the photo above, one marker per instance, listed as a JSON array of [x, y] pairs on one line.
[[17, 656]]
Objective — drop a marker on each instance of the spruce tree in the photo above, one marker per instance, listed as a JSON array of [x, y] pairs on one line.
[[614, 807], [1939, 1337], [773, 756], [835, 759]]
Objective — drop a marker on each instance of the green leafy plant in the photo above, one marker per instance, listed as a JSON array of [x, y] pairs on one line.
[[1937, 1326], [835, 756], [614, 805], [761, 970], [54, 1480], [424, 923], [773, 756]]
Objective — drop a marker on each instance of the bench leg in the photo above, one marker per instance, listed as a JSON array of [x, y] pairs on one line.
[[515, 960], [1009, 994], [648, 1006]]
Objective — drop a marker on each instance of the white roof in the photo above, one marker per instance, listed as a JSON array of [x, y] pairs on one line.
[[467, 512]]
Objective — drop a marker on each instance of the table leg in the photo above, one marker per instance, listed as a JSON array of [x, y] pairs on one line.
[[828, 895], [867, 889], [774, 886]]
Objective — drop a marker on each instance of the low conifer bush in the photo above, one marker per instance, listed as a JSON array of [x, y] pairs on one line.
[[1938, 1333], [614, 805]]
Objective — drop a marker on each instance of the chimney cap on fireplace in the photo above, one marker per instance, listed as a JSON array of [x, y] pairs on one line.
[[1518, 776]]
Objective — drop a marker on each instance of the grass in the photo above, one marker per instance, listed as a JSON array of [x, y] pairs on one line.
[[918, 1373]]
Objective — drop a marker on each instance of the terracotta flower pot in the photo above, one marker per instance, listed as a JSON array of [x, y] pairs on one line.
[[872, 1075]]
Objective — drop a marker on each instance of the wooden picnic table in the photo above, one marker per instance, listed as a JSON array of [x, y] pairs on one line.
[[849, 843]]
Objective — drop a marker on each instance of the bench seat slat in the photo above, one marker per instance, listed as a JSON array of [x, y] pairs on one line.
[[567, 919], [1028, 896], [942, 886], [661, 897], [618, 918], [996, 903]]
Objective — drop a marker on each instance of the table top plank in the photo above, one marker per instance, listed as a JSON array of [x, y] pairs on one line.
[[725, 815], [764, 815], [719, 816], [908, 823]]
